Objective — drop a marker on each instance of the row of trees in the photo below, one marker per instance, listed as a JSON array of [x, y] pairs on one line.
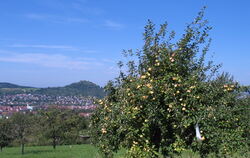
[[166, 93], [52, 126]]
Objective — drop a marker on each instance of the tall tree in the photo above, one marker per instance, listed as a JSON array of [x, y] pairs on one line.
[[22, 123], [72, 125], [5, 133], [168, 90], [62, 126], [53, 126]]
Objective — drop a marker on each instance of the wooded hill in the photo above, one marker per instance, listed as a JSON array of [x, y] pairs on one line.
[[81, 88]]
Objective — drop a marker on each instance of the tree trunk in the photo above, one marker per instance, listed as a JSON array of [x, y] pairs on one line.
[[155, 138], [22, 147], [54, 143], [1, 148]]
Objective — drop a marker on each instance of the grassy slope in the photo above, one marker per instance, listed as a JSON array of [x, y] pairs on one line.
[[75, 151]]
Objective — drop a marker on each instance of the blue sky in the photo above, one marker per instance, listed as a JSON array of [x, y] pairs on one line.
[[57, 42]]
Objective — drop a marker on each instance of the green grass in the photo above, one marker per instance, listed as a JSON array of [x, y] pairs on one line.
[[78, 151], [74, 151]]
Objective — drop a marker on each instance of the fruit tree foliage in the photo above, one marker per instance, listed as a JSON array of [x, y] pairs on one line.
[[167, 88]]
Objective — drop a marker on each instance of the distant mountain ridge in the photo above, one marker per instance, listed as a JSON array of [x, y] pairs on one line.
[[81, 88], [10, 85]]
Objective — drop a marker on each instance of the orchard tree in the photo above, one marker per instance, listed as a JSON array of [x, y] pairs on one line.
[[169, 89], [72, 125], [52, 124], [21, 127], [5, 133], [62, 126], [244, 113]]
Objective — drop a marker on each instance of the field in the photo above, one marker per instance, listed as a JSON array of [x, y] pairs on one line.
[[74, 151]]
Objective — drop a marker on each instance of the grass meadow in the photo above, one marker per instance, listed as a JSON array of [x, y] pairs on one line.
[[79, 151], [69, 151]]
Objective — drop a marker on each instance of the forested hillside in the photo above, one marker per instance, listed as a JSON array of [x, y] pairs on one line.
[[82, 88]]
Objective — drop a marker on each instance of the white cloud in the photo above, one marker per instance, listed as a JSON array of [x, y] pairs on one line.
[[54, 47], [51, 60], [77, 20], [83, 7], [64, 47], [36, 16], [56, 18], [113, 24]]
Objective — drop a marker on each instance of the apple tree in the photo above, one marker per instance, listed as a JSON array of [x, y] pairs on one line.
[[163, 93]]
